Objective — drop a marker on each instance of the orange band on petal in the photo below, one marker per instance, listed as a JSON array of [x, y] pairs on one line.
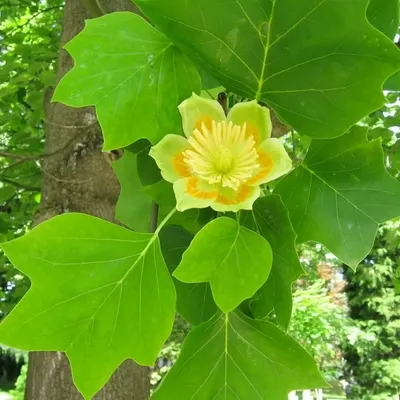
[[180, 167], [206, 120], [252, 130], [192, 188], [266, 164], [240, 197]]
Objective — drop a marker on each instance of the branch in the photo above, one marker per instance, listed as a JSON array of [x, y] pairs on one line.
[[22, 158], [17, 156], [29, 20], [19, 184]]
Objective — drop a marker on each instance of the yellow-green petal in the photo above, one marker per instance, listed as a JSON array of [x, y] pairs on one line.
[[168, 154], [235, 200], [274, 162], [197, 110], [194, 192], [257, 118]]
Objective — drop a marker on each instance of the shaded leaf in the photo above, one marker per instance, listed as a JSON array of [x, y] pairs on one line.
[[100, 293], [270, 219], [194, 301], [163, 194], [6, 192], [384, 16], [340, 194], [132, 74], [234, 357], [318, 63], [235, 260], [134, 206]]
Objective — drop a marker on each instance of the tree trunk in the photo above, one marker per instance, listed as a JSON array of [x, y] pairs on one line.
[[78, 177]]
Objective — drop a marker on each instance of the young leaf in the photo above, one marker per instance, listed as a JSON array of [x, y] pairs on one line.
[[270, 219], [235, 260], [340, 193], [235, 357], [100, 293], [132, 74], [318, 63], [134, 205], [194, 300]]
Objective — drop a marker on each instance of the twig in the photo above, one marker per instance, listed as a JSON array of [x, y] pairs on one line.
[[19, 184], [29, 20], [22, 158], [153, 217], [223, 100]]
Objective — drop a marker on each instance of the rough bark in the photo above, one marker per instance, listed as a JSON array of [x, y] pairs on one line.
[[78, 177]]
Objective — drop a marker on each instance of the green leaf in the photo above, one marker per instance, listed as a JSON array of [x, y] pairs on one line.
[[194, 301], [318, 63], [340, 193], [235, 260], [3, 226], [270, 219], [6, 192], [148, 171], [132, 74], [134, 206], [100, 293], [393, 83], [135, 201], [162, 193], [396, 283], [235, 357], [384, 16]]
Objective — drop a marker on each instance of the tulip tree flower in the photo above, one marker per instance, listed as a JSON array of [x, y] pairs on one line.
[[224, 159]]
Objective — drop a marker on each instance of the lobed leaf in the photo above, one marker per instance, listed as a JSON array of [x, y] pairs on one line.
[[132, 74], [340, 194], [318, 63], [100, 293], [234, 357]]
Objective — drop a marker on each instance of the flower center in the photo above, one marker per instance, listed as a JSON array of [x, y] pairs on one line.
[[224, 160], [225, 155]]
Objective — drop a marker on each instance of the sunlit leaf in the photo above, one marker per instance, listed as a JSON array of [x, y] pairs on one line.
[[194, 300], [132, 74], [270, 219], [234, 357], [100, 293], [234, 260], [318, 63], [340, 194]]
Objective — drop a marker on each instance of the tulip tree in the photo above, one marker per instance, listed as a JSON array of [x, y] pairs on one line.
[[212, 204]]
